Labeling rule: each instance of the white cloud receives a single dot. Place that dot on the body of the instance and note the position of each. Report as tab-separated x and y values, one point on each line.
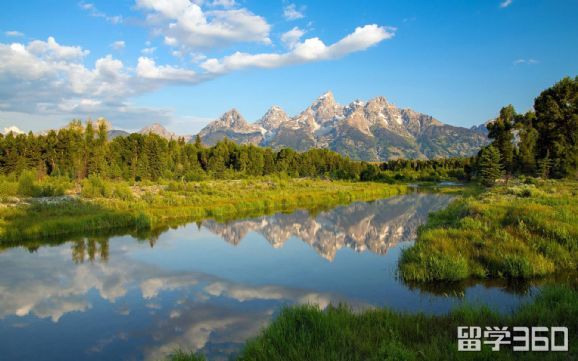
223	3
185	24
312	49
505	3
525	61
147	69
117	45
94	12
291	38
290	12
50	49
50	81
13	33
149	50
45	80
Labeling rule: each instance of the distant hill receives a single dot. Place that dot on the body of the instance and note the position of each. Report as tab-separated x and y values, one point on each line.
151	129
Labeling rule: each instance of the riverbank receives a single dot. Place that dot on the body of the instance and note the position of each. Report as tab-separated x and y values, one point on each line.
337	333
515	231
101	205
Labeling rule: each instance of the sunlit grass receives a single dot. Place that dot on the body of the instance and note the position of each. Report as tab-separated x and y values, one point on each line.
105	205
516	231
339	334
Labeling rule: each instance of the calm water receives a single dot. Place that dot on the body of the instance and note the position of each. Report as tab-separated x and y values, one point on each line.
210	286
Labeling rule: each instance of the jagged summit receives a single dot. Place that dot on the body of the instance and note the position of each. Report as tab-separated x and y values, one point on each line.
273	118
233	119
233	126
368	130
158	129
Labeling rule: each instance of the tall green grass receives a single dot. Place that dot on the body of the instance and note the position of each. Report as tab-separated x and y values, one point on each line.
339	334
106	205
516	231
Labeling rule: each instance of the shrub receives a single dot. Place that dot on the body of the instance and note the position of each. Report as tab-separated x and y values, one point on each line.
27	184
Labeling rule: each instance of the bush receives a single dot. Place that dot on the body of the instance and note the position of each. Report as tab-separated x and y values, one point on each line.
27	184
96	187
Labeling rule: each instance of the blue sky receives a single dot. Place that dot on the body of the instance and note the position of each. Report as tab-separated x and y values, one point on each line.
184	63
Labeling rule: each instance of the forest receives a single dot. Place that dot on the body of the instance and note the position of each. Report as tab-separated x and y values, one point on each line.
541	143
80	151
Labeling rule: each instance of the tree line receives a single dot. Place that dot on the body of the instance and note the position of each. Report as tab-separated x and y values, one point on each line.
542	142
79	151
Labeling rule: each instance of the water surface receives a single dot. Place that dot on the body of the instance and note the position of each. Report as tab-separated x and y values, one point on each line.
209	287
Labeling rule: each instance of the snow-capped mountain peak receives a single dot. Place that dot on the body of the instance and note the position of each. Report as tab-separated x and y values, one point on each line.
12	129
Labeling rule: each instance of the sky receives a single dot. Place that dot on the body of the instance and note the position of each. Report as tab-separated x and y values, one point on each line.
183	63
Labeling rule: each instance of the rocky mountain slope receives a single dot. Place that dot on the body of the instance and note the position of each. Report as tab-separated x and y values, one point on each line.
373	130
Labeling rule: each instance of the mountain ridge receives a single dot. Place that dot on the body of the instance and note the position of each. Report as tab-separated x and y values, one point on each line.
373	130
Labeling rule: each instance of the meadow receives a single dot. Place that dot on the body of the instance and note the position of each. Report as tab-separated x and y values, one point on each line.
97	204
526	229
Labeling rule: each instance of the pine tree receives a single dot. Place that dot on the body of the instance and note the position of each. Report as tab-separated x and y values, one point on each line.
490	165
557	124
527	146
500	130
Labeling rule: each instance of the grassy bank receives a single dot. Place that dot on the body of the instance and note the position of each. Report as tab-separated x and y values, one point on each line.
515	231
307	333
104	205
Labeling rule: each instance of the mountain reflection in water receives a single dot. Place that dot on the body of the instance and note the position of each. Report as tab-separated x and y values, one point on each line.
120	298
374	226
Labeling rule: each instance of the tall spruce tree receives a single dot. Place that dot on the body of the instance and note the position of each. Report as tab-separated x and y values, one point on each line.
500	130
557	124
490	165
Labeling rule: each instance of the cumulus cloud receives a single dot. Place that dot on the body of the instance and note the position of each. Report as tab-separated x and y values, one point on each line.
13	33
184	24
148	69
50	49
290	12
291	38
117	45
50	80
505	3
312	49
44	79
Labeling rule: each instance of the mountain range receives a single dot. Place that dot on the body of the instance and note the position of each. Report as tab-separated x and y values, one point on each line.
375	130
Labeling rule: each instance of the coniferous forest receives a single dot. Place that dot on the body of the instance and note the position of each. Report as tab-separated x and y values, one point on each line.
79	151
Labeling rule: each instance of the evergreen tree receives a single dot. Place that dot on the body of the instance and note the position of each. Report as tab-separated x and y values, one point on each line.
527	146
557	124
500	130
490	165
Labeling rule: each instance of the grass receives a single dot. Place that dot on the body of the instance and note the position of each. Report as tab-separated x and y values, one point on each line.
338	334
516	231
105	205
